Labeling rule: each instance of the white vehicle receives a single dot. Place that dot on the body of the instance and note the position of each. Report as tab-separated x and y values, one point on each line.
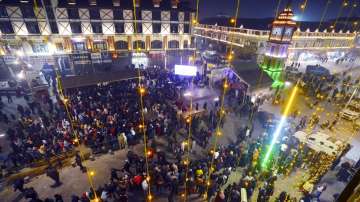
352	112
320	142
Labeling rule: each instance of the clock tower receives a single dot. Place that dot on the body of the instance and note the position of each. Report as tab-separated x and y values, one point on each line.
282	30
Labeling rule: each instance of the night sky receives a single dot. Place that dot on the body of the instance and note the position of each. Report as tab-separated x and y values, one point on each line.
266	8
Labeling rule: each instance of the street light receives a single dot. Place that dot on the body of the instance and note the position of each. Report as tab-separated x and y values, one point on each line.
232	20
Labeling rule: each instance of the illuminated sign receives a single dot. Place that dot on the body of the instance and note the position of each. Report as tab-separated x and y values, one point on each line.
185	70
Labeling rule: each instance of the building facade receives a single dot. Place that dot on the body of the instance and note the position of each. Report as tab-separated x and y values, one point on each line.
87	31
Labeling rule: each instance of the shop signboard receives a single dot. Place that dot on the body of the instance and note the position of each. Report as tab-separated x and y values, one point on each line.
96	58
9	59
81	58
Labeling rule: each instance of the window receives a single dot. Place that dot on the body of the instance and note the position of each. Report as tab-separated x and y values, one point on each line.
54	28
27	12
173	44
156	15
75	27
157	44
100	45
6	28
120	45
156	27
3	13
79	46
119	28
118	14
40	48
73	13
174	16
59	46
139	44
186	44
187	16
96	27
32	27
186	28
94	14
50	13
174	28
138	27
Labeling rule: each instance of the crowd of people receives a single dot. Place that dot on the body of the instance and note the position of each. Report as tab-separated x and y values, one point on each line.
108	117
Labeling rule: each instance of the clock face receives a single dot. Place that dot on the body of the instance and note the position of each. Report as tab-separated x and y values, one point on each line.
276	31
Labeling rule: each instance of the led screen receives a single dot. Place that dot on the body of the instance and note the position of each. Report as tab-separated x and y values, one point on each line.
185	70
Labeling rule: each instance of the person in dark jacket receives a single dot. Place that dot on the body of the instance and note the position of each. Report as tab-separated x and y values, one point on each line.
19	185
78	162
54	175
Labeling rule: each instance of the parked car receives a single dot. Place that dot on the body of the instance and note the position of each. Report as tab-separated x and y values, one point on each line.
351	112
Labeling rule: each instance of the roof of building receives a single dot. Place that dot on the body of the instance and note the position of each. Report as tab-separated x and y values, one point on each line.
93	79
124	4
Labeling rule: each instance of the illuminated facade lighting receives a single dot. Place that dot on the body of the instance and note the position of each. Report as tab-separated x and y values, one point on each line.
72	2
92	2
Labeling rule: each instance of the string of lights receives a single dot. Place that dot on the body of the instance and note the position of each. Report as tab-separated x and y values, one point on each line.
67	102
189	120
302	8
343	5
221	113
187	143
277	9
353	6
142	126
324	14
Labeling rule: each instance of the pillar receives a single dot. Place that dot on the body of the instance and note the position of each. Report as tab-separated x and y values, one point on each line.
67	44
129	42
89	43
111	43
147	43
165	42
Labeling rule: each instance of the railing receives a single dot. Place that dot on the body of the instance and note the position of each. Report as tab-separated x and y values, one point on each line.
235	30
265	33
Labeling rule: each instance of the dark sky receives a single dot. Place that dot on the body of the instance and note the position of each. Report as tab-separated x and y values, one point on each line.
266	8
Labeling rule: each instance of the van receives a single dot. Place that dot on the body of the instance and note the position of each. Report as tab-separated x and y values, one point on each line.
351	112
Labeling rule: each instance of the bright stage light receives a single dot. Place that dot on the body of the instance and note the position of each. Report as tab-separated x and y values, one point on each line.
21	75
280	126
20	53
185	70
187	94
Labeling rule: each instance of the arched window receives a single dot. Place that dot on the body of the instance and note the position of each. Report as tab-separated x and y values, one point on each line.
138	44
173	44
186	44
121	45
156	44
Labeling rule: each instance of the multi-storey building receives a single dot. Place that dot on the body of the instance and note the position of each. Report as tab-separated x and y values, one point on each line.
80	32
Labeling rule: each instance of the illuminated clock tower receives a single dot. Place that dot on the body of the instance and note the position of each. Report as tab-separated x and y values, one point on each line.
276	52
